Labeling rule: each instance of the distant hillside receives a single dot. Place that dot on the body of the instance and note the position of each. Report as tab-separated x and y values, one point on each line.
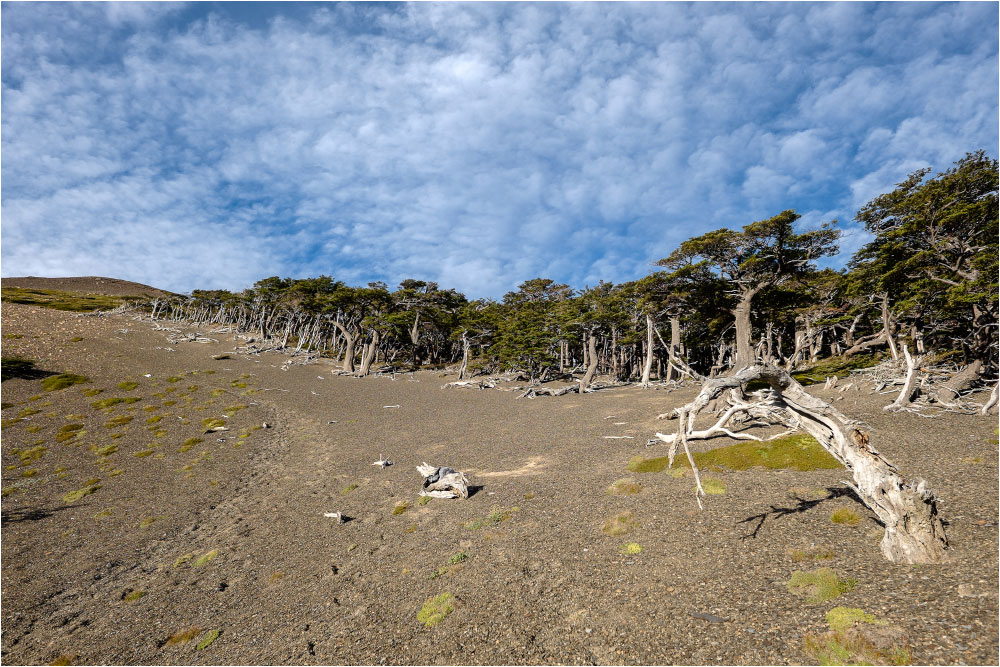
86	285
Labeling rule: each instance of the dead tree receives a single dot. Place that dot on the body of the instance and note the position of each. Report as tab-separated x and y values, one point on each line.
908	509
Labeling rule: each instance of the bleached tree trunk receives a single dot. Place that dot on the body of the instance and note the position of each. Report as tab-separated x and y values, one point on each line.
887	326
369	354
648	366
744	347
349	341
908	509
902	401
592	366
465	356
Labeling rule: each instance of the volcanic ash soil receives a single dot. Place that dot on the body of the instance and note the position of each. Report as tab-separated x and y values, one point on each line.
133	536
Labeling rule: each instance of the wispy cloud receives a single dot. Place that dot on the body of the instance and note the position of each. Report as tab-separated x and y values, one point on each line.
478	145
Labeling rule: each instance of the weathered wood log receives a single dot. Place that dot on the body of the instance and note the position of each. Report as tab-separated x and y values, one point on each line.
908	509
950	390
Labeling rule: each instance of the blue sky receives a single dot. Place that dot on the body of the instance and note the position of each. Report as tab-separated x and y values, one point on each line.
477	145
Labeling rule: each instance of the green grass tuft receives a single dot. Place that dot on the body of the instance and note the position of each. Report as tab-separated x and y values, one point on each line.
347	489
120	420
845	516
819	585
128	386
134	595
400	508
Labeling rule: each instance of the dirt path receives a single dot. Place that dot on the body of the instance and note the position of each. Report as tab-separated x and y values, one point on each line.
535	578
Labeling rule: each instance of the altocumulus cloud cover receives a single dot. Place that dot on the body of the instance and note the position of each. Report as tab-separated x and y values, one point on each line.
477	145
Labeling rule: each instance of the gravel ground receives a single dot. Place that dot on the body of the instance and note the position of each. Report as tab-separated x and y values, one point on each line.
114	577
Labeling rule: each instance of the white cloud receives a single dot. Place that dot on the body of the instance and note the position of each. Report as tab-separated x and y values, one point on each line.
478	145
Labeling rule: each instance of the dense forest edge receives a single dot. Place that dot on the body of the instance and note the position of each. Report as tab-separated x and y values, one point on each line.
720	301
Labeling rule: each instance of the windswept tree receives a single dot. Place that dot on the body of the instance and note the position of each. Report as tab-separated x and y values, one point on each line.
935	257
764	254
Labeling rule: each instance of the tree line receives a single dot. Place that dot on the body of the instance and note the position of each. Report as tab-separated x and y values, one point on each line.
717	303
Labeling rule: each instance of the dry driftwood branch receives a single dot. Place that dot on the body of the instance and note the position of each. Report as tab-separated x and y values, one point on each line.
443	482
908	509
992	401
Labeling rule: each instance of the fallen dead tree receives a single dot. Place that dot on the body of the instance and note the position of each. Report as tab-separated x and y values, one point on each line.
908	509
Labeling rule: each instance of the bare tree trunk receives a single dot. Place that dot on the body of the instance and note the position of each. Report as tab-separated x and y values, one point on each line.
648	367
908	509
887	326
744	348
369	354
959	382
465	355
902	401
592	367
349	341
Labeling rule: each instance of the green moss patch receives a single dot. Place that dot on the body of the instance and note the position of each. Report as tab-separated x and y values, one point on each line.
61	381
188	444
819	585
143	453
400	508
713	486
207	640
128	386
436	609
107	450
631	549
133	596
30	455
17	367
60	300
794	452
620	524
184	636
625	487
347	489
838	366
206	558
121	420
210	422
233	409
154	420
107	402
74	496
92	392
